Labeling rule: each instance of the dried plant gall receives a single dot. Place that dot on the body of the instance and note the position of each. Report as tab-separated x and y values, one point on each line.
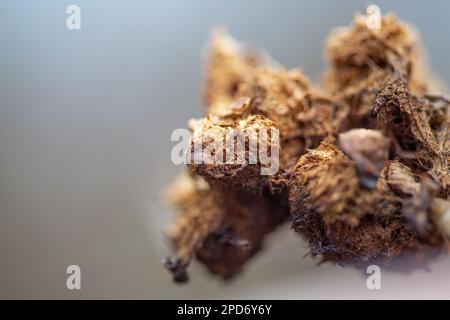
356	52
363	160
363	59
221	228
282	99
287	98
229	64
326	181
236	152
406	118
349	224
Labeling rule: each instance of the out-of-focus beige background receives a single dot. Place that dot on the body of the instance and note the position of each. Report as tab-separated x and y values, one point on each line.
85	124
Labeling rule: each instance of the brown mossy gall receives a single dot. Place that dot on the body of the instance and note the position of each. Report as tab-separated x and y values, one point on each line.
221	228
363	162
349	223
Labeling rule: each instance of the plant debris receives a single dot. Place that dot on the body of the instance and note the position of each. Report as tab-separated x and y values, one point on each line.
364	158
221	228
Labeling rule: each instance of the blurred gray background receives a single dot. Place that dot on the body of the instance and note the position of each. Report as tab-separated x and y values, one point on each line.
85	123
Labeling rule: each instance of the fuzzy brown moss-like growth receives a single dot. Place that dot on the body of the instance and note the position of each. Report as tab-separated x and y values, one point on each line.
270	98
224	169
363	59
221	228
298	110
364	160
229	63
357	52
407	119
348	223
